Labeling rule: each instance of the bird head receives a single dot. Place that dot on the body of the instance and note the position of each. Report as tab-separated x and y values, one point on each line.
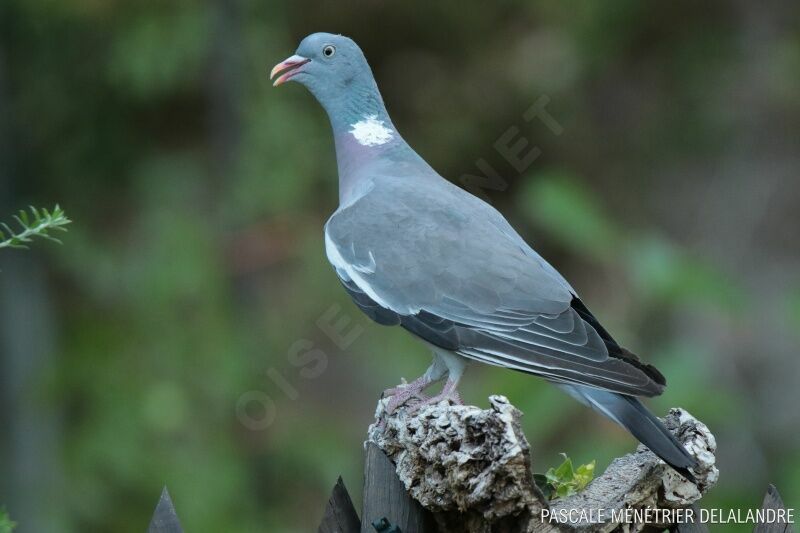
336	72
326	64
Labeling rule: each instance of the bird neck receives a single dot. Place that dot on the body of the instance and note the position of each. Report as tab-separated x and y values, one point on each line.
364	135
347	102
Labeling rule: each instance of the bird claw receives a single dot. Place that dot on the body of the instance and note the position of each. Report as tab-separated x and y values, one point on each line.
454	398
404	392
417	385
401	398
449	393
393	390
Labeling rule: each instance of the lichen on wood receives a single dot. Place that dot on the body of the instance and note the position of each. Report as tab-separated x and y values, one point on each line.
471	468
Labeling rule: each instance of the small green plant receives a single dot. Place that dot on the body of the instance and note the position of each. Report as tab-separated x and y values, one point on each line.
564	480
6	525
37	223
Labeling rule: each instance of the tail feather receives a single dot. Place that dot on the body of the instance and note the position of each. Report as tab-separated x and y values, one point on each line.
631	414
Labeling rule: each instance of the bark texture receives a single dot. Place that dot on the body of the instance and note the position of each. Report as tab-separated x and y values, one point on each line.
472	469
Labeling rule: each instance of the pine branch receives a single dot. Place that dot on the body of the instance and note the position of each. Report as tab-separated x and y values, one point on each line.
38	223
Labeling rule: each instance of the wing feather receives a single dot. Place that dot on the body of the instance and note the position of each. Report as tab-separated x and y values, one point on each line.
469	284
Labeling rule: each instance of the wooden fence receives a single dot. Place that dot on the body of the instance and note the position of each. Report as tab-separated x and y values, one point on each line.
388	508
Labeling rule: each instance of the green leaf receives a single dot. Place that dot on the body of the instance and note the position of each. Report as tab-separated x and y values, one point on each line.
583	475
40	223
565	472
565	480
544	485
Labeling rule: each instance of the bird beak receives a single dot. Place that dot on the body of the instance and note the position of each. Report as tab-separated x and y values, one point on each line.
287	68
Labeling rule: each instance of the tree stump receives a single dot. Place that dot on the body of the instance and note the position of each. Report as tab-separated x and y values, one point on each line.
471	468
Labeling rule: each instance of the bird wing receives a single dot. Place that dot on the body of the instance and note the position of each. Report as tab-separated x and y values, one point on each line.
448	267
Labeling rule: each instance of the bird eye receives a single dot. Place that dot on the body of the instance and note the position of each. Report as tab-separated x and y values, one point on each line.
329	50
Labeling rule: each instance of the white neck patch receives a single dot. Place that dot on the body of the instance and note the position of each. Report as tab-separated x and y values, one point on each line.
371	132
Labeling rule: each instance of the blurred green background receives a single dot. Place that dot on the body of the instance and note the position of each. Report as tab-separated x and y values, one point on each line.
159	344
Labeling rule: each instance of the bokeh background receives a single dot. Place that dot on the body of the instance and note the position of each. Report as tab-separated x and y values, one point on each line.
159	344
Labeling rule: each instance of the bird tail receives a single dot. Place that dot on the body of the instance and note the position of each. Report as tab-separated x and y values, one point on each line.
631	414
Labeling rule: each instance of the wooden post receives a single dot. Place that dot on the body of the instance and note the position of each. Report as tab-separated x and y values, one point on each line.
385	496
772	500
340	515
165	519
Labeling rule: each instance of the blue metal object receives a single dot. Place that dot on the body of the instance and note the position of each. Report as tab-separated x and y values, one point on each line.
382	525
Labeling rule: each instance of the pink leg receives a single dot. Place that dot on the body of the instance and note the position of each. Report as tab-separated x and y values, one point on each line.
418	384
449	393
444	364
402	393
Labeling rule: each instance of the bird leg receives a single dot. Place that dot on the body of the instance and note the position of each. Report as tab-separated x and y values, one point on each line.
418	385
445	363
404	392
449	393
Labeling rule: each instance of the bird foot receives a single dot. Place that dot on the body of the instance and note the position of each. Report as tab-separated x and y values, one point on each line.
401	397
402	393
449	393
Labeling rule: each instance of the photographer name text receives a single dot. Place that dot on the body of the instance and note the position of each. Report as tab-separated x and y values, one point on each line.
653	515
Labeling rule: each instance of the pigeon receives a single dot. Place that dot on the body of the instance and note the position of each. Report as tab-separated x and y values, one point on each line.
416	251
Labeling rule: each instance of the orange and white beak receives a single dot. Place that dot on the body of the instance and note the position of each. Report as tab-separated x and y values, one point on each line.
287	68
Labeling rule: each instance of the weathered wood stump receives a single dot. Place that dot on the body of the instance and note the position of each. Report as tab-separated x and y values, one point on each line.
471	468
461	469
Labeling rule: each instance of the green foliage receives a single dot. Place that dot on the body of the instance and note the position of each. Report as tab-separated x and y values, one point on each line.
571	214
663	271
159	51
566	208
202	191
40	223
565	480
6	525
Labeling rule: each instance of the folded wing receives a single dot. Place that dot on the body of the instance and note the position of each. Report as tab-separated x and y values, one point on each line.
452	272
